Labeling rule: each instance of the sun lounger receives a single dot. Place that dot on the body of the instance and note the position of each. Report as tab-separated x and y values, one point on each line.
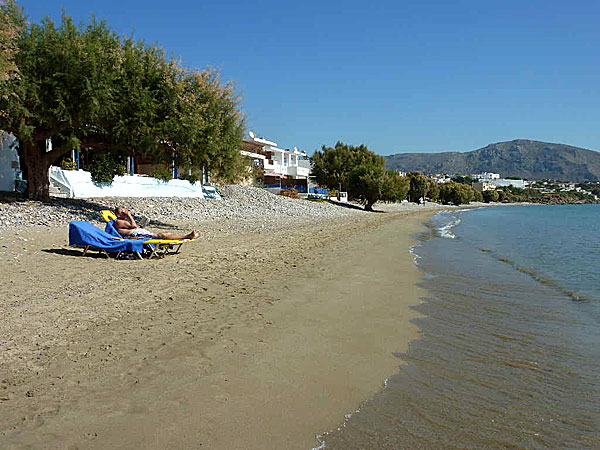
155	247
88	236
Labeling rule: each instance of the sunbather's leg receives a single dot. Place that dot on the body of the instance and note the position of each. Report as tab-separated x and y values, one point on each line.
166	235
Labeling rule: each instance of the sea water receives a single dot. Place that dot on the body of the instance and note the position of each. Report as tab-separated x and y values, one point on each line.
509	353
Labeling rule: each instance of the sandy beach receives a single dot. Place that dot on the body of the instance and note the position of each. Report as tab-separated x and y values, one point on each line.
251	340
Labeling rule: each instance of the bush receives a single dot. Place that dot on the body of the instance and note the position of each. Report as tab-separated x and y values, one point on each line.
291	193
162	174
192	177
258	173
491	196
67	164
105	168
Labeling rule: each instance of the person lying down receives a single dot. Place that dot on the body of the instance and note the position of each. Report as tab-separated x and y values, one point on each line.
127	227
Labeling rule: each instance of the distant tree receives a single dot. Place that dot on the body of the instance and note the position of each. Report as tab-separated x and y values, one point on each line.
419	185
12	22
331	165
207	128
477	196
463	179
370	183
502	197
396	187
490	196
433	190
456	193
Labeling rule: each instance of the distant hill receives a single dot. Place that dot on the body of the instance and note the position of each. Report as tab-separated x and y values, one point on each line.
533	160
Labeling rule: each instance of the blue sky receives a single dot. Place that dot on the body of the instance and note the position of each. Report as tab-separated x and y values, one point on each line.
398	76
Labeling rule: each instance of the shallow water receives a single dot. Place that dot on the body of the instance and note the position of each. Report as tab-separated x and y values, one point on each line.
510	345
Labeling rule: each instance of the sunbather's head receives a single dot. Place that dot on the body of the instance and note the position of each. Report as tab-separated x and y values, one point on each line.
120	212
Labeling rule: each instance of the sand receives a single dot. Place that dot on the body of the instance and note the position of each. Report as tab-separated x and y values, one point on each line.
251	341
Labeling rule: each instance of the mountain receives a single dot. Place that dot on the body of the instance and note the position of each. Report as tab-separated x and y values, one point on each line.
523	158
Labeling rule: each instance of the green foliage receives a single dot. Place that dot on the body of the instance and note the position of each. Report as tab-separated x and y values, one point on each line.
491	196
162	174
419	185
104	169
464	179
456	193
67	164
191	177
433	190
84	86
509	194
370	183
331	166
12	20
258	173
395	187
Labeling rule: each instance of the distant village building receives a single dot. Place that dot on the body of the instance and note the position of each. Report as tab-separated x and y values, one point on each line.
440	178
483	186
502	182
282	167
486	176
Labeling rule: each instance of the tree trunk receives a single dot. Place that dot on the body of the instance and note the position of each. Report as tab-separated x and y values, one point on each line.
369	206
37	164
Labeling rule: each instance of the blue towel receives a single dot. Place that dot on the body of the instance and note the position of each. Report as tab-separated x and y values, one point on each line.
84	233
110	228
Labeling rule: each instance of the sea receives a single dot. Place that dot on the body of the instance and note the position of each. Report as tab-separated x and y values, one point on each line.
509	347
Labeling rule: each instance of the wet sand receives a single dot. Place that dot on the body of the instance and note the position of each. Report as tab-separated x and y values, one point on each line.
253	341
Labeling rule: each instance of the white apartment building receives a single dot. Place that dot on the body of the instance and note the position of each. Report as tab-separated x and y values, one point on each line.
284	166
486	176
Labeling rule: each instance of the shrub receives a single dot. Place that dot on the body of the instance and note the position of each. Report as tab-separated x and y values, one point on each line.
292	193
491	196
67	164
162	174
105	168
192	177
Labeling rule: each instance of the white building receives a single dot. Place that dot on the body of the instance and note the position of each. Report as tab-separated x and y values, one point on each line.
505	182
482	186
486	176
281	166
441	178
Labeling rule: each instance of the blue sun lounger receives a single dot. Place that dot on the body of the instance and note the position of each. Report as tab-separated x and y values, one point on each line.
155	247
88	236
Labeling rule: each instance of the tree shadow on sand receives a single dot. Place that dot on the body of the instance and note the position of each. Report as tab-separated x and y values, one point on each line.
73	252
354	206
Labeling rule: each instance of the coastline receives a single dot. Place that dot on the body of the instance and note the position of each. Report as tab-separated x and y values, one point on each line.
232	344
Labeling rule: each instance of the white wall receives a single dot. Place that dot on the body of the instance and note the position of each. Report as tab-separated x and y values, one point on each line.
79	184
8	158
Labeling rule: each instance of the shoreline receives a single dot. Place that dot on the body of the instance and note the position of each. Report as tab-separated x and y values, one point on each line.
249	338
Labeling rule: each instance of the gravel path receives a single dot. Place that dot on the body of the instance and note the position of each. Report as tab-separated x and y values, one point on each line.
238	202
242	209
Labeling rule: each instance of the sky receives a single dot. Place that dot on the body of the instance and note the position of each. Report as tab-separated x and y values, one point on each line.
418	76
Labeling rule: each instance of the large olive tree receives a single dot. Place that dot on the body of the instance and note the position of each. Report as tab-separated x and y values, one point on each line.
81	86
331	165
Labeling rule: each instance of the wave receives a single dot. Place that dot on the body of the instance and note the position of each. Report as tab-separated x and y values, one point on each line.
445	231
538	277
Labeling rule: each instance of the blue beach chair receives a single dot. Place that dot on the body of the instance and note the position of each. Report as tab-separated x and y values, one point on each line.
156	248
87	236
